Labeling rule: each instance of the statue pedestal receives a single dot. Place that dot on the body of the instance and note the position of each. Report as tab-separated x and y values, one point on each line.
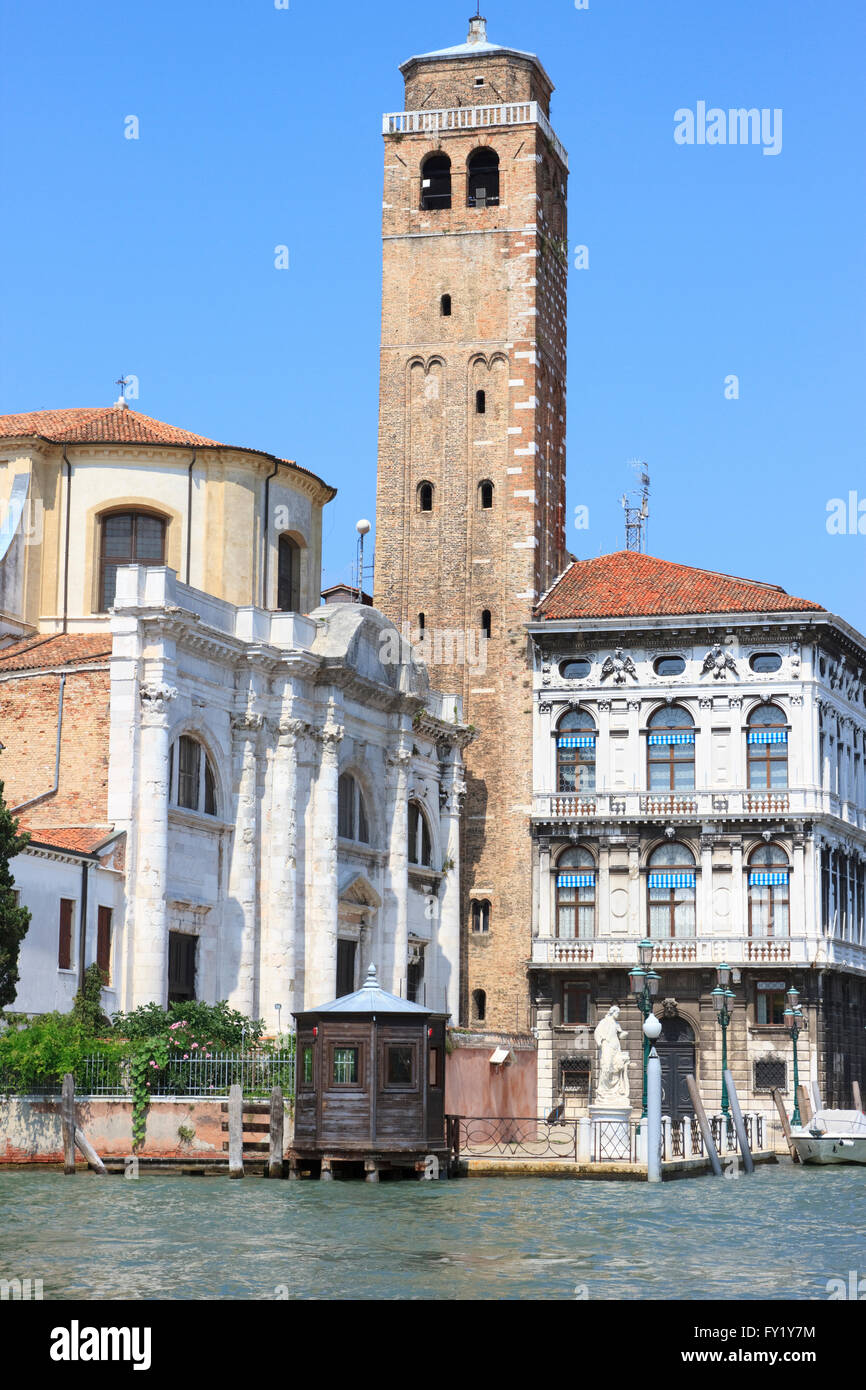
611	1136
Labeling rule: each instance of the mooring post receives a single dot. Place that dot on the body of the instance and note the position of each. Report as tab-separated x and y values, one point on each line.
805	1104
584	1139
739	1125
654	1117
858	1100
89	1152
67	1121
236	1133
275	1162
704	1124
786	1124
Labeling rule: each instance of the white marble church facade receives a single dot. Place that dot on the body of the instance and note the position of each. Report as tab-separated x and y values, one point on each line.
269	771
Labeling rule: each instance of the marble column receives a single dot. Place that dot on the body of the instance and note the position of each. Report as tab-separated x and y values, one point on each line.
148	890
241	919
394	945
320	950
452	791
280	929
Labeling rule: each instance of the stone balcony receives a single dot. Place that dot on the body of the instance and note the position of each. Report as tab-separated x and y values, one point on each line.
701	951
456	118
698	806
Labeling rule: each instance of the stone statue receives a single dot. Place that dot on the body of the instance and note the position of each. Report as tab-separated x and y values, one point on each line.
611	1085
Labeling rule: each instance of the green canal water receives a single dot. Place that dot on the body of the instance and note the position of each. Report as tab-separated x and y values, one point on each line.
780	1234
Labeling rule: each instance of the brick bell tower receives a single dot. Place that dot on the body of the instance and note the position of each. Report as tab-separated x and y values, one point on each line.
470	516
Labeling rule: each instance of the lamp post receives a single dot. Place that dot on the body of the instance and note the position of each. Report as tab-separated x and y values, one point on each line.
796	1022
723	1002
644	985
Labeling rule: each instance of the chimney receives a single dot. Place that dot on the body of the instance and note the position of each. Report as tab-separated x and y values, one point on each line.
477	30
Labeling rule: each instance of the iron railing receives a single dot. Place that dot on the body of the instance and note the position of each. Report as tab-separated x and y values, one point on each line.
523	1137
199	1077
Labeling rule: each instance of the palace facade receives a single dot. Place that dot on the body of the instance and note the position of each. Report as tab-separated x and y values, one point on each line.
699	754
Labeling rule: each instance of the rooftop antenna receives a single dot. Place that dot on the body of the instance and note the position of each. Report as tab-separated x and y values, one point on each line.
362	527
635	504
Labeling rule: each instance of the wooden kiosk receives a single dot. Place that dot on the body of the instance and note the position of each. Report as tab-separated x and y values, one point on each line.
370	1085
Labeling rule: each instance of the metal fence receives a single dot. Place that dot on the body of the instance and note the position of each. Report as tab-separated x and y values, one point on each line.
200	1077
596	1141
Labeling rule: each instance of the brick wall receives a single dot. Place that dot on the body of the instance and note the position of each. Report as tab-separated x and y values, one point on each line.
28	729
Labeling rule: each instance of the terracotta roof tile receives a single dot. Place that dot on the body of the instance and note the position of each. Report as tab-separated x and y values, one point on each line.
81	839
119	425
70	649
110	425
626	584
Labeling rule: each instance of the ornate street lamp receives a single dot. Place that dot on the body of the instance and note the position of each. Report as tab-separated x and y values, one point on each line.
644	983
723	1002
796	1022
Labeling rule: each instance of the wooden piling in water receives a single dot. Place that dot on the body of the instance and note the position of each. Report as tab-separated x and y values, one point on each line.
739	1126
703	1122
236	1133
278	1113
805	1104
89	1152
67	1121
786	1124
858	1099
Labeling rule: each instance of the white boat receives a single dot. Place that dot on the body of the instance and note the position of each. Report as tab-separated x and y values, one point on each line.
832	1136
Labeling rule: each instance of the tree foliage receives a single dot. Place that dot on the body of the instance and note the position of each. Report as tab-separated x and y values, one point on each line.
14	920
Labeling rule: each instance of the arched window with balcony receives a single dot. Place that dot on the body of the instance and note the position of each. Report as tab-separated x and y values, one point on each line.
420	842
769	892
672	892
482	183
436	182
575	737
191	781
127	538
352	821
767	746
671	750
575	894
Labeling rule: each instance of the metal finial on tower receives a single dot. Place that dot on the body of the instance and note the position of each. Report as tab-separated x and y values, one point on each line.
635	504
122	382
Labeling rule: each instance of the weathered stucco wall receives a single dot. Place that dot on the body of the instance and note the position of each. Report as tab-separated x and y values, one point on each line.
475	1086
30	1130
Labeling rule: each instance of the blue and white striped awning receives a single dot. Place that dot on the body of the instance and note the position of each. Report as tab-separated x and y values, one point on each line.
575	880
671	738
768	736
672	880
769	879
576	741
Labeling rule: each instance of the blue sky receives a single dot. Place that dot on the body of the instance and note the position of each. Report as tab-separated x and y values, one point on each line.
261	126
